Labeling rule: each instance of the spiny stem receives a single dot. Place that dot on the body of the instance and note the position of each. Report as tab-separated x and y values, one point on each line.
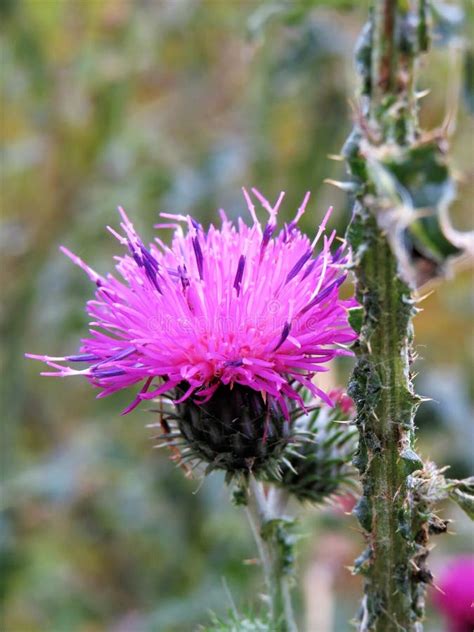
382	389
381	384
274	544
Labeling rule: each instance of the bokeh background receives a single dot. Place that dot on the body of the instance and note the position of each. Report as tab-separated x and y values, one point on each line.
172	106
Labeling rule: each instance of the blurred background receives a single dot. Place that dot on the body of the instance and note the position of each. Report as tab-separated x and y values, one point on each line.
172	106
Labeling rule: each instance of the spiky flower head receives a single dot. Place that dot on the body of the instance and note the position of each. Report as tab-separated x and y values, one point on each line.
239	311
317	466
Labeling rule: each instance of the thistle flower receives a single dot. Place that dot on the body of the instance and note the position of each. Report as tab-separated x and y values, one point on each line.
455	598
229	323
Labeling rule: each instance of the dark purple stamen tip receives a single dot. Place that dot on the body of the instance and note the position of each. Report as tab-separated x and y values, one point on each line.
195	223
144	259
324	293
298	265
309	269
183	276
234	363
289	229
124	353
83	357
137	259
284	335
107	293
151	275
102	373
267	234
121	355
239	274
148	258
338	254
136	256
199	257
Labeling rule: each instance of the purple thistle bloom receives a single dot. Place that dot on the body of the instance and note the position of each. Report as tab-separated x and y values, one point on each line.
240	305
455	598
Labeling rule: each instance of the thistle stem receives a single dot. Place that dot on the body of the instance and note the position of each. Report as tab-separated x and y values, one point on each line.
386	405
274	543
381	384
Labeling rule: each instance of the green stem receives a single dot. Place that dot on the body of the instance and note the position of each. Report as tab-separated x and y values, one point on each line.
386	404
275	549
381	384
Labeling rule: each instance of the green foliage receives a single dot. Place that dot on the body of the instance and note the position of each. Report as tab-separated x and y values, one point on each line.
420	181
462	492
356	318
414	186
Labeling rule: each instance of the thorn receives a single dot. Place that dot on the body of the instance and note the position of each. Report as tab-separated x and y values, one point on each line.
422	93
198	488
343	186
424	297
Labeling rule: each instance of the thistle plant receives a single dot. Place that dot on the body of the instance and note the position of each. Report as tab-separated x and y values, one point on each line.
230	326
